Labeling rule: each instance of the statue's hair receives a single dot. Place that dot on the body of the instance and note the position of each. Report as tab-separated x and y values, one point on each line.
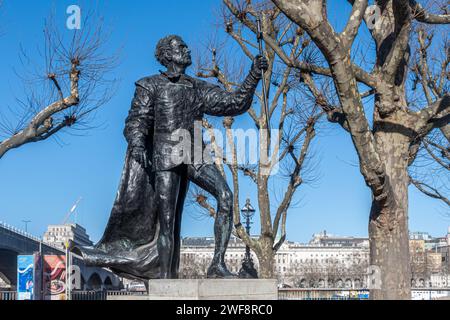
163	46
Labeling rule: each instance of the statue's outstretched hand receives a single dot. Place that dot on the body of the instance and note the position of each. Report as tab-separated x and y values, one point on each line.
140	155
260	65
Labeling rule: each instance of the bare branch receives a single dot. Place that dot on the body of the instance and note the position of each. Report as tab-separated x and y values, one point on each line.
446	131
249	172
421	15
360	74
218	152
436	115
238	38
295	180
353	24
334	114
444	152
202	201
430	191
232	164
396	55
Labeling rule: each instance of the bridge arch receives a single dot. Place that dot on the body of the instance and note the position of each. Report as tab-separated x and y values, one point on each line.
348	283
95	282
8	266
321	283
5	283
107	284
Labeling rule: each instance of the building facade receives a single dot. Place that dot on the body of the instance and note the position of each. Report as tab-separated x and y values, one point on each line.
327	261
58	235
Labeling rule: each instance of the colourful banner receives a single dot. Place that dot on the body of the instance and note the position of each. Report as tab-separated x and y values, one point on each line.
25	277
54	277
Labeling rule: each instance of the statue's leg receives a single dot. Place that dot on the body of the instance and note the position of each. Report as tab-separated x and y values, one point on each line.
167	185
211	180
184	186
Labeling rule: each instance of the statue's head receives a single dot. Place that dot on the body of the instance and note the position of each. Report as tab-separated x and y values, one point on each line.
173	49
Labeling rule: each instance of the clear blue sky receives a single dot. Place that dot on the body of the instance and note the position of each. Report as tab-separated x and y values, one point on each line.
41	181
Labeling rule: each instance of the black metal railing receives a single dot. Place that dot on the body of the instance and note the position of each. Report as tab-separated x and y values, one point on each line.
102	295
89	295
323	294
8	295
126	293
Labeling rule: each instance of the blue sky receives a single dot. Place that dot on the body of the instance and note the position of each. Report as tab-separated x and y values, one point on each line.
40	182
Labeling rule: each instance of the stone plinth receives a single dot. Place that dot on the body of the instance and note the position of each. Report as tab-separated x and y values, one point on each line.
213	289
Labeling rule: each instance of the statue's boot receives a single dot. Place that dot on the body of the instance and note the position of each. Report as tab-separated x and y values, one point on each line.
220	271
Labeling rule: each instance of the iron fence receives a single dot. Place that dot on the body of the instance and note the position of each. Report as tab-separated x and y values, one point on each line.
89	295
8	295
323	294
126	293
102	295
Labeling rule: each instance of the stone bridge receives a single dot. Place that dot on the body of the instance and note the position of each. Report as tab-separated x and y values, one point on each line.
14	242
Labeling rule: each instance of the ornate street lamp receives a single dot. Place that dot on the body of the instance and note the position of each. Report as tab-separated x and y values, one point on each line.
248	269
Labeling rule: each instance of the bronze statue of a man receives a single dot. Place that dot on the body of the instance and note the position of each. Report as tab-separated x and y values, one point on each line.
142	239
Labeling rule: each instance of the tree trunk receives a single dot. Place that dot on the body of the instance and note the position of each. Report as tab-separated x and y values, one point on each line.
388	225
266	266
266	258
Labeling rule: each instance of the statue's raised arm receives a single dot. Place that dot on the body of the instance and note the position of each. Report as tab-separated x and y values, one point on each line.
218	102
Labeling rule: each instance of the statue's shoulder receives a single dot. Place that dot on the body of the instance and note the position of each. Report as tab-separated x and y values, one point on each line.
149	82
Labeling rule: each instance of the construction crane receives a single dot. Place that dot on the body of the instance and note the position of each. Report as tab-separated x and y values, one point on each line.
71	211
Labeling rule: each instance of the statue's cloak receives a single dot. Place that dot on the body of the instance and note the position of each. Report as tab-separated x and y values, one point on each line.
129	244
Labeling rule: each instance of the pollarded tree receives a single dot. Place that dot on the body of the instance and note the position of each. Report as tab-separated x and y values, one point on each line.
296	121
67	85
388	146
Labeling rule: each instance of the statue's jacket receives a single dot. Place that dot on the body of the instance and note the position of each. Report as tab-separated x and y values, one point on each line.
162	105
164	109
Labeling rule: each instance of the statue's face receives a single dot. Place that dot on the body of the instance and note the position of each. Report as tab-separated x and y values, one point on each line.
180	53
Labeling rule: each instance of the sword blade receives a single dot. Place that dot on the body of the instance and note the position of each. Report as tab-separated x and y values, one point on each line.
263	79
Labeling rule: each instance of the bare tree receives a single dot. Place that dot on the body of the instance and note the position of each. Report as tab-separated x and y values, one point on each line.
66	91
388	147
307	274
418	262
296	121
193	267
357	266
330	272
